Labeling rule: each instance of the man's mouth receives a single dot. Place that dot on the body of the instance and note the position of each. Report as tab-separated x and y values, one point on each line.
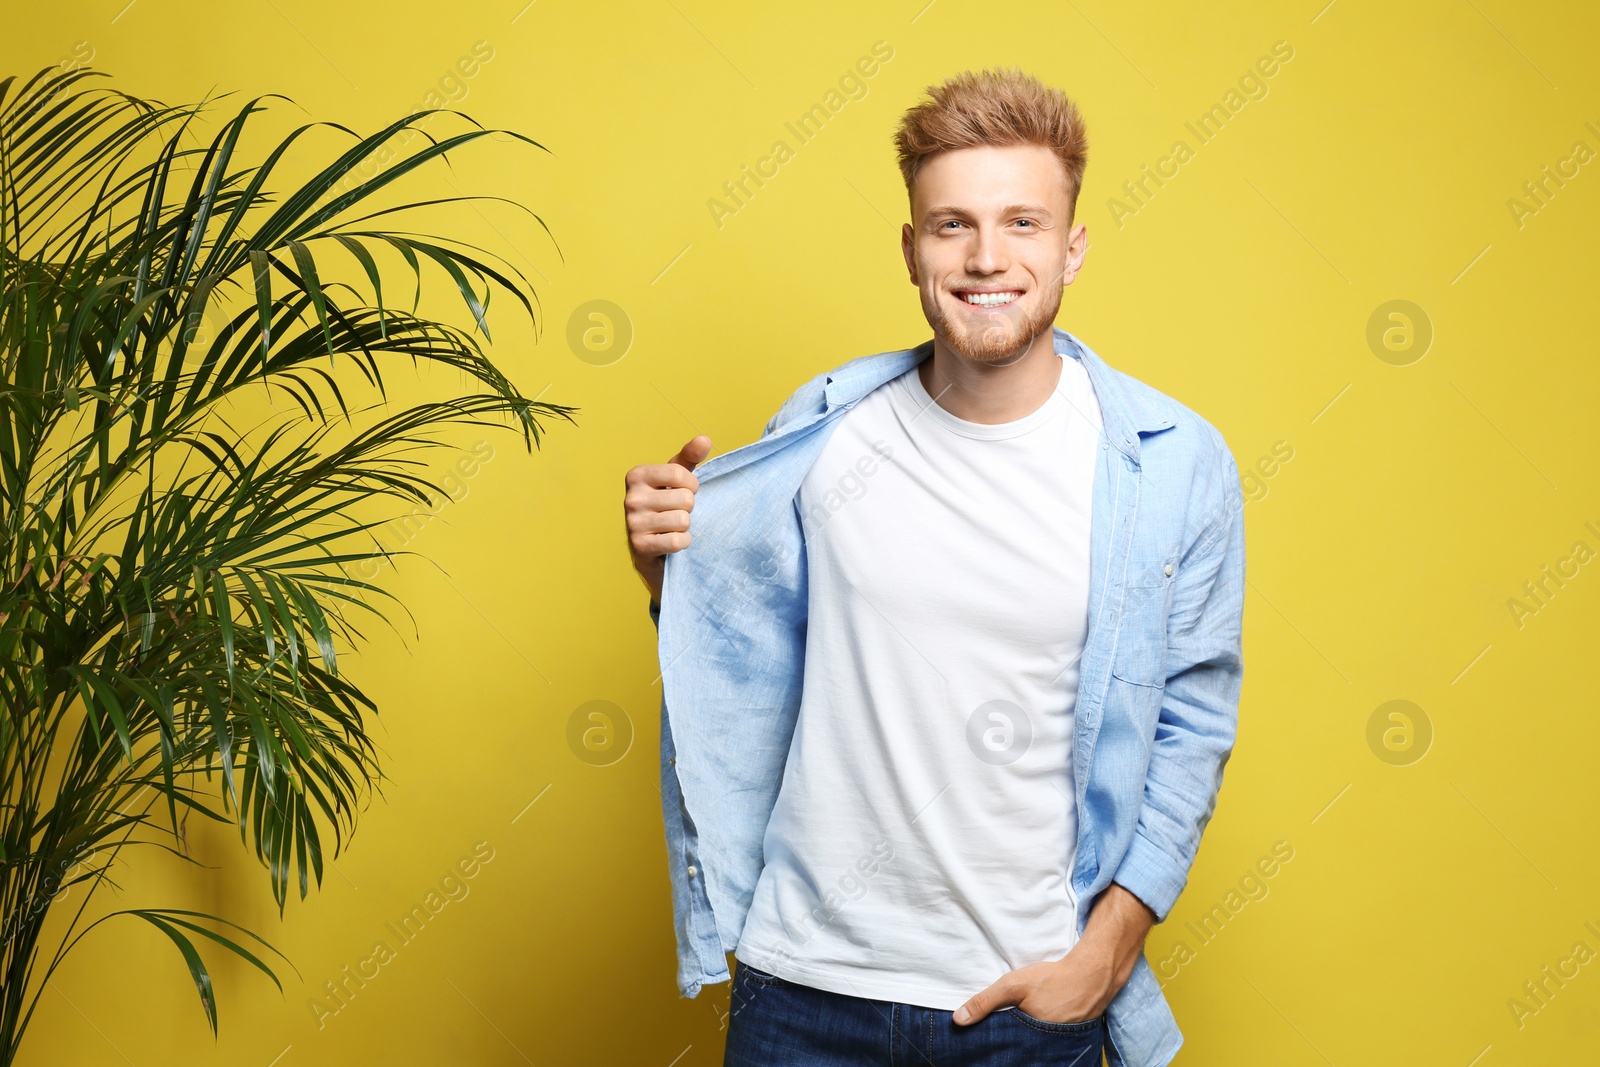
992	298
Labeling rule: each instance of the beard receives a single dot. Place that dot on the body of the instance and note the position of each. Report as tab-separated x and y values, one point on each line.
996	337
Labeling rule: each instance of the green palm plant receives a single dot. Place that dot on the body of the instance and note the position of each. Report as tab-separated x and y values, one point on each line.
173	592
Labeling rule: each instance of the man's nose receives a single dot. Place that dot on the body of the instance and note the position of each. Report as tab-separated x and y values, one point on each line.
988	253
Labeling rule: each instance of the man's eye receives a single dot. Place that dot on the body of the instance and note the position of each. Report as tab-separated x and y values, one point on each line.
951	222
1025	222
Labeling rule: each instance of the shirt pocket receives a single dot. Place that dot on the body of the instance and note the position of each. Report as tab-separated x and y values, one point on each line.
1141	653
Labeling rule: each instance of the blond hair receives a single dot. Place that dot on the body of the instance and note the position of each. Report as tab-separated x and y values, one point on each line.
998	107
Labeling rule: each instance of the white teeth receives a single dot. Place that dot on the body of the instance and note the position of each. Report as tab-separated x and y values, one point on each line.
988	300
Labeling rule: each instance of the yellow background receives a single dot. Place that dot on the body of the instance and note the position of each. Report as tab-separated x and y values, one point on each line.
1419	499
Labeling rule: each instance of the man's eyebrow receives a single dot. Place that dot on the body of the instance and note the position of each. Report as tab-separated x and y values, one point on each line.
952	211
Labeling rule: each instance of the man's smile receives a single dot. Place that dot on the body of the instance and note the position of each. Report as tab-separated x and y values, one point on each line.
988	298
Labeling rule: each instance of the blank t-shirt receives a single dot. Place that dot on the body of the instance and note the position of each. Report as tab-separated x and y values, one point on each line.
922	839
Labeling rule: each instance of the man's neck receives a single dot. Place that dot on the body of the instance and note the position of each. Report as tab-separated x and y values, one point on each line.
992	393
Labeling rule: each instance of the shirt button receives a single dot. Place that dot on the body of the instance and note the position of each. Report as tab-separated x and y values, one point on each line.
1169	570
672	761
692	870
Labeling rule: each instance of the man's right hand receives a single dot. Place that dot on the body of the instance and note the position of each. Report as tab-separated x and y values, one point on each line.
657	498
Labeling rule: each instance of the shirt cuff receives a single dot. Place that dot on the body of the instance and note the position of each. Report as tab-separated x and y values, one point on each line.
1152	876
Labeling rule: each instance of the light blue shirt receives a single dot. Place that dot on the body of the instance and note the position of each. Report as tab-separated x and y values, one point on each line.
1158	689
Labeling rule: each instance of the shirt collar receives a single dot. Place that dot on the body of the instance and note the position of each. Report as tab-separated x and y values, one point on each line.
1125	414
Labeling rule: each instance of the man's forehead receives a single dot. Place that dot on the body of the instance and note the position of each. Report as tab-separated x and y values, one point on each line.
988	204
967	180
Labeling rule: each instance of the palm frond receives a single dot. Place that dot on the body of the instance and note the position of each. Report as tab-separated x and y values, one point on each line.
175	591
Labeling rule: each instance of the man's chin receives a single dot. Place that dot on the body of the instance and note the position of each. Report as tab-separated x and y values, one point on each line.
987	344
998	338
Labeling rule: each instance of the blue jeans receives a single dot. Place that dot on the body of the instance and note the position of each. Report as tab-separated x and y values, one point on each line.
774	1022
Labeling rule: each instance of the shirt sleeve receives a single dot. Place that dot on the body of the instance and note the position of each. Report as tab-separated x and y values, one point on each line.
1199	707
772	425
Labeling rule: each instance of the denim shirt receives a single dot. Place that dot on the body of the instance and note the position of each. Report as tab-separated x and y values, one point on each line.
1159	679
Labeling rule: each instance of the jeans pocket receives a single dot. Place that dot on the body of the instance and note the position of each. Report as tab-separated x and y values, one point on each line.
1082	1027
756	976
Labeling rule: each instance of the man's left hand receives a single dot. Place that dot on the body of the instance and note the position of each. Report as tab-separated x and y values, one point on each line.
1081	984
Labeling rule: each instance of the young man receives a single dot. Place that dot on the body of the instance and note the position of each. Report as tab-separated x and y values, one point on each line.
951	671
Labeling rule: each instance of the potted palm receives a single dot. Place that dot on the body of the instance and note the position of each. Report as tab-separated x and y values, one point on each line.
174	592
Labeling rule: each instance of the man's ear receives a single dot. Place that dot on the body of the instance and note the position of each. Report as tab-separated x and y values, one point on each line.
1077	248
908	250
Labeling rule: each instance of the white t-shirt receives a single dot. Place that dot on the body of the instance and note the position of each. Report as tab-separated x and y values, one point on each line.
922	839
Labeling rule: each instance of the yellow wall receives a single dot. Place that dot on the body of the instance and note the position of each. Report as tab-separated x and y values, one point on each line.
1382	555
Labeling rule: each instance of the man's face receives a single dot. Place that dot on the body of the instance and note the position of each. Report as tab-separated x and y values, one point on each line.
991	246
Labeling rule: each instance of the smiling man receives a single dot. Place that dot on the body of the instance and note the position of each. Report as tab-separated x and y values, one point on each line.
951	671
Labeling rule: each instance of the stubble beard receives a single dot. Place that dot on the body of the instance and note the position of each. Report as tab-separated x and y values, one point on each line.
991	339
